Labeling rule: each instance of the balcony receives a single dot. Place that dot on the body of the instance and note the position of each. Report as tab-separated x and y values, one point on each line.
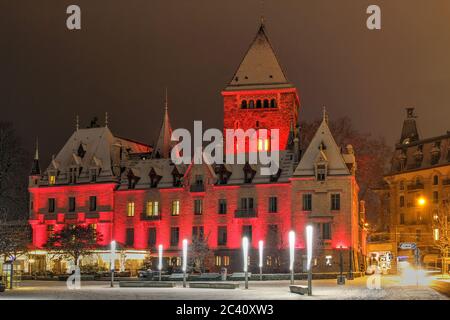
92	215
146	217
50	216
323	244
197	188
246	213
416	186
70	216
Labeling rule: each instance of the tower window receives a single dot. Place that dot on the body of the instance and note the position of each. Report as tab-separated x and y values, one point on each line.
258	104
273	103
244	104
266	103
92	203
251	104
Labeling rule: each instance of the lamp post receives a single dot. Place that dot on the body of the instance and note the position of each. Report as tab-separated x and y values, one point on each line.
185	245
113	261
245	253
341	279
309	249
261	249
291	254
160	256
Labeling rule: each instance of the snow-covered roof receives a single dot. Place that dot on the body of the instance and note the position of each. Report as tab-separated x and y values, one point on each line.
259	68
92	148
323	148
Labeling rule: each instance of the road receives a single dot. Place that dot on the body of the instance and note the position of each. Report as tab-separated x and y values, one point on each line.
392	288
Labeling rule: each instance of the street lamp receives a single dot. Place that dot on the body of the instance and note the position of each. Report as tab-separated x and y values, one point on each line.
112	262
291	254
309	249
160	256
185	245
261	248
245	252
421	201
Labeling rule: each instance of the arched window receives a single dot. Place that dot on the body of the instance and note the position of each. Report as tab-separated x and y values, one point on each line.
258	104
252	104
435	180
266	103
244	104
273	103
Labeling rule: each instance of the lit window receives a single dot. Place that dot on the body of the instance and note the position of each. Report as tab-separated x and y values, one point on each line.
152	208
436	234
263	144
328	262
218	261
51	180
226	261
176	207
130	209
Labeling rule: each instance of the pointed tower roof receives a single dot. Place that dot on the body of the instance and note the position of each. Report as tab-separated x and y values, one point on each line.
259	68
35	168
409	131
323	148
164	144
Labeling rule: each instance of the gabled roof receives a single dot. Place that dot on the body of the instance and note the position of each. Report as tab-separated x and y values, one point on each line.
259	68
323	147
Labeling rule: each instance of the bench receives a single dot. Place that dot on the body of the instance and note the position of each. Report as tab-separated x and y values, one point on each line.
240	276
209	276
146	284
214	285
299	289
177	276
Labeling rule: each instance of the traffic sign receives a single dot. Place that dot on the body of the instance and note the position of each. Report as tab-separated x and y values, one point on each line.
408	246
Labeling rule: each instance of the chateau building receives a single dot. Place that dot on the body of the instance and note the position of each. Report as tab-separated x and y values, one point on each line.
134	194
416	193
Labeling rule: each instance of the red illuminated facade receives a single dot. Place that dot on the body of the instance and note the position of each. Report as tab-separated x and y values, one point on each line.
134	194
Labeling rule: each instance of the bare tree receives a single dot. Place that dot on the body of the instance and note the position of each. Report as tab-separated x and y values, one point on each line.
14	169
441	233
200	252
372	157
73	242
14	239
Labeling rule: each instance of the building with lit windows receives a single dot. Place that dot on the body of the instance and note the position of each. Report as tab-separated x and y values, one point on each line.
416	193
134	194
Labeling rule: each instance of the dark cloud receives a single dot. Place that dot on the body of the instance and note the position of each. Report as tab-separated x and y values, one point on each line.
128	51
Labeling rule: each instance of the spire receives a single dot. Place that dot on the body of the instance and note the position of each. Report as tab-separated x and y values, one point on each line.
164	144
259	68
409	130
35	168
325	114
106	119
77	123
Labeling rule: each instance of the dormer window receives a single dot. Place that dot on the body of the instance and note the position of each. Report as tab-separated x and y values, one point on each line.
222	173
321	172
73	175
418	155
81	151
154	178
132	179
249	173
51	179
176	177
93	174
436	153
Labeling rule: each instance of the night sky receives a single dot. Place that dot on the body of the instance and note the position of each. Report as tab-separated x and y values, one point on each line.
128	51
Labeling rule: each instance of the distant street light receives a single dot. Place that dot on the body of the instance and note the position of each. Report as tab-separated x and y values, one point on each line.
261	248
309	250
113	261
291	254
160	256
185	247
421	201
245	253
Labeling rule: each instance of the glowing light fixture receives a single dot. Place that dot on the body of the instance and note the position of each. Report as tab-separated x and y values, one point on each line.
184	267
291	254
261	249
309	251
245	253
421	201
